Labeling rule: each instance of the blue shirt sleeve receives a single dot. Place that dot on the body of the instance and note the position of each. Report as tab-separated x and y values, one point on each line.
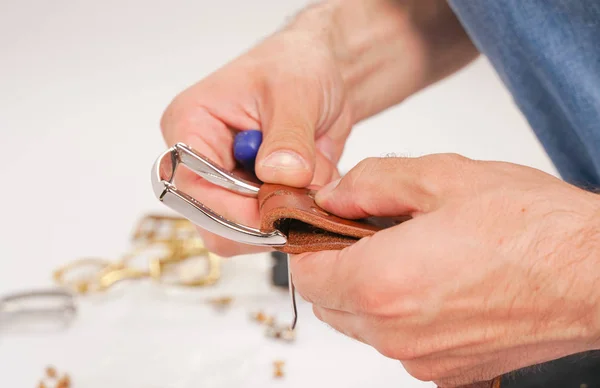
547	53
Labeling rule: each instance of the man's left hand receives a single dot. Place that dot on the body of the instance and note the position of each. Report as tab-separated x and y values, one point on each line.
496	270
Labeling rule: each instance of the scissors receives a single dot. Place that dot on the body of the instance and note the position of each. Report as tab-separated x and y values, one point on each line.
245	148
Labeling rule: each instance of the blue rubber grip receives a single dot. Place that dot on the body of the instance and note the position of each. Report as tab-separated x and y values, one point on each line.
245	147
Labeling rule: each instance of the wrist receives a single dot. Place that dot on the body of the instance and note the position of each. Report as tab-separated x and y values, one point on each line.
365	40
387	50
581	263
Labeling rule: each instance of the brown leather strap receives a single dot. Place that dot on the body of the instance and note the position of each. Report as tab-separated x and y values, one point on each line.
309	228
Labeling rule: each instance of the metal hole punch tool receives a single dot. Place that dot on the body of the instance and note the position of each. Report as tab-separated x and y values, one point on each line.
163	176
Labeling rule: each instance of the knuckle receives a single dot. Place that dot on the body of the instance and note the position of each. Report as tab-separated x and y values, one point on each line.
302	269
367	164
370	299
173	113
441	173
317	313
370	170
442	369
316	59
181	117
421	370
395	350
389	350
443	161
166	118
288	135
362	172
452	158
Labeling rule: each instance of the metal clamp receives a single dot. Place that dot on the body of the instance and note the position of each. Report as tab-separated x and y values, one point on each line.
163	175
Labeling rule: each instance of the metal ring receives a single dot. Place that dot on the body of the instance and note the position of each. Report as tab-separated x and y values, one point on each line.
178	228
190	249
89	283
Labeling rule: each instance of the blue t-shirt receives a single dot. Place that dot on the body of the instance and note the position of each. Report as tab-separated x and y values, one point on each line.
547	52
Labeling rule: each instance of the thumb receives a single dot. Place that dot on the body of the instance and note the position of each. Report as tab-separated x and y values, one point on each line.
389	187
287	154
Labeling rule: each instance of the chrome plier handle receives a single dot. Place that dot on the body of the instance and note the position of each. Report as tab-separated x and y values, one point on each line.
163	175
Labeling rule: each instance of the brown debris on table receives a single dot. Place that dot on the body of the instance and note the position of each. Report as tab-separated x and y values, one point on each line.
278	368
51	372
64	382
52	375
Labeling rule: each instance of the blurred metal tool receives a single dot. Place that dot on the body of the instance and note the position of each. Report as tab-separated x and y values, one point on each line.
292	296
185	265
160	228
37	307
89	279
163	177
163	243
182	247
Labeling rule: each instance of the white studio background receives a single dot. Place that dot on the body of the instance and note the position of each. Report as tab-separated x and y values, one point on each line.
82	87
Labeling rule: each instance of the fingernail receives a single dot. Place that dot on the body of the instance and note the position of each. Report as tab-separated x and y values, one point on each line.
326	190
285	160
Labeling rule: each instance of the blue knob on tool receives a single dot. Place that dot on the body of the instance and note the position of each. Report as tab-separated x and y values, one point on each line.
245	147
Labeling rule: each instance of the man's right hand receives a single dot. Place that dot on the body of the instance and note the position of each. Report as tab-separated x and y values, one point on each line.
304	87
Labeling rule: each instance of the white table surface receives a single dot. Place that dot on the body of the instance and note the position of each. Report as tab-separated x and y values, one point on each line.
82	87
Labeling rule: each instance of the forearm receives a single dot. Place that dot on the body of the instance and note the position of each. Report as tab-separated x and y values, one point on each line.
388	50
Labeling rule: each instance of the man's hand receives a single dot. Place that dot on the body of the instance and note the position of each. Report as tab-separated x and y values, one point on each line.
496	270
335	64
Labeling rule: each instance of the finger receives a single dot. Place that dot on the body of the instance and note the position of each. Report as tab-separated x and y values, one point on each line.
325	171
392	186
330	279
238	209
188	118
364	279
208	132
227	248
343	322
327	147
291	113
